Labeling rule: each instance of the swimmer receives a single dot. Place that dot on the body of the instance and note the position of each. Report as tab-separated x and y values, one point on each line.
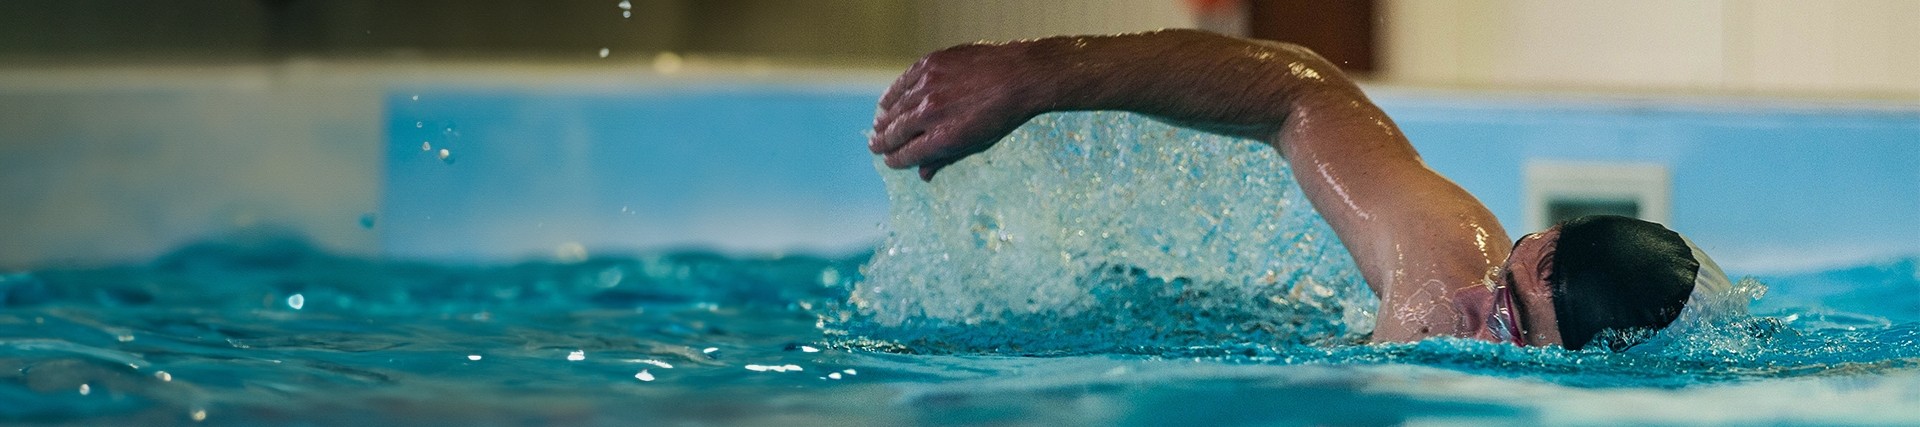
1435	256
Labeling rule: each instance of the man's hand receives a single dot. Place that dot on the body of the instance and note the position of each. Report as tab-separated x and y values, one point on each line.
957	102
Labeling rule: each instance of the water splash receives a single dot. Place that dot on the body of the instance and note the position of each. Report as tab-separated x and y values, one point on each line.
1090	232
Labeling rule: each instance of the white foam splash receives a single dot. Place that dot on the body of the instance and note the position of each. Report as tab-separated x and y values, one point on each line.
1120	224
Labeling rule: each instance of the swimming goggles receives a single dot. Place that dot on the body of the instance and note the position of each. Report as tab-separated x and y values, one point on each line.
1503	320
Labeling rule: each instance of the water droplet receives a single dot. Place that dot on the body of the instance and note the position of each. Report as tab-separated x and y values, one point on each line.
416	97
809	349
446	156
709	350
297	301
419	125
835	375
473	357
643	375
426	145
86	389
625	5
605	51
199	415
626	14
163	376
577	355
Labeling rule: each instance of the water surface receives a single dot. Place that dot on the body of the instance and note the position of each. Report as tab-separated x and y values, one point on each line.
1190	285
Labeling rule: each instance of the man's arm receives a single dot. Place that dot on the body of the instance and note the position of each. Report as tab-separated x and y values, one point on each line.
1416	236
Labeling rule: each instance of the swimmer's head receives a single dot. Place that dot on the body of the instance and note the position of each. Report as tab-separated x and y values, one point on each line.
1600	273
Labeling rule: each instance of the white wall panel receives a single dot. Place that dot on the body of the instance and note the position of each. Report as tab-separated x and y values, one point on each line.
1844	48
1441	42
1652	43
1851	47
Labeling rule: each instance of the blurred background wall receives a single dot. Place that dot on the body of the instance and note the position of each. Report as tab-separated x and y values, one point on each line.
127	128
1840	48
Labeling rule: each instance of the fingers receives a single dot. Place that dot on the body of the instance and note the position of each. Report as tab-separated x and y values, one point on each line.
930	167
929	148
924	119
896	125
909	155
927	171
907	79
907	87
923	149
899	131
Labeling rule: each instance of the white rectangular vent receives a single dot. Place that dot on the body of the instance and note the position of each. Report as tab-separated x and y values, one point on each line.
1558	191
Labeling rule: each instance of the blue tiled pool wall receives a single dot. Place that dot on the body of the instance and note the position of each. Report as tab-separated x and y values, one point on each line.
748	168
772	167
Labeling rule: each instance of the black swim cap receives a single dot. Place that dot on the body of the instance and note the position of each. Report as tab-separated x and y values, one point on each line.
1618	273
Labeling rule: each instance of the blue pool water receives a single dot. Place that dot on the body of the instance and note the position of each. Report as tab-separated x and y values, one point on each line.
1027	287
267	330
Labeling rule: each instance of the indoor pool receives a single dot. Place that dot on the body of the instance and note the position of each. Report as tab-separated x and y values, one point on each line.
1094	269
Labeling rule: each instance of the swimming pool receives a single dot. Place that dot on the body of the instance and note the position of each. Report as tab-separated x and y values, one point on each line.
505	297
266	329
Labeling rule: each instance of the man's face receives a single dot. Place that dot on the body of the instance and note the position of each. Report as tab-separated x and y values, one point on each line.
1525	273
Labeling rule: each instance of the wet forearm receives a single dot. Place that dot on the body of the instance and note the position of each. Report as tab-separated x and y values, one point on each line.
1220	84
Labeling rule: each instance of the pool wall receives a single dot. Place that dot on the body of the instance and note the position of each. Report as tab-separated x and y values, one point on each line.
107	164
1766	186
760	167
